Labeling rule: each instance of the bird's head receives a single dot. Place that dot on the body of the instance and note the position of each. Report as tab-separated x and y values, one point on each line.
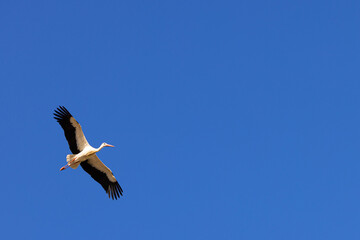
106	145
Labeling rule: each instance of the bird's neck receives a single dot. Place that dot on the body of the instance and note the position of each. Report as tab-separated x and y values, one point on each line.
99	148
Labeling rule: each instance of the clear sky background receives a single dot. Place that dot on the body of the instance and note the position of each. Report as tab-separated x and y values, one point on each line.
231	119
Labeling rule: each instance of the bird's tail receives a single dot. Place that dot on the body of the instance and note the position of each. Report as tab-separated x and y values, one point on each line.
70	157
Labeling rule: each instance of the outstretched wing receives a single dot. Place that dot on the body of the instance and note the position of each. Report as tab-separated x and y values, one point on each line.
72	129
103	175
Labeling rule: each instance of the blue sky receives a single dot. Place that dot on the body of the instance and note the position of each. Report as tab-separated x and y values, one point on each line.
231	119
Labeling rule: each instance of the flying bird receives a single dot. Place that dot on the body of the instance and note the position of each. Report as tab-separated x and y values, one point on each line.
85	155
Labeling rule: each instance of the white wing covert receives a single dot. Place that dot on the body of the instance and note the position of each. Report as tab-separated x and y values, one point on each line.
103	175
72	129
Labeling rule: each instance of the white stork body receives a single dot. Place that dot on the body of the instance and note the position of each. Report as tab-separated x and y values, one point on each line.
85	155
75	159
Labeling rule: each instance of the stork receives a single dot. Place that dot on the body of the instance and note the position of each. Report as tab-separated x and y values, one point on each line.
85	155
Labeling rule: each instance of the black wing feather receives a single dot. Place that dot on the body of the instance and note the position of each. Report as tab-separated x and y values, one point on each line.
113	189
62	115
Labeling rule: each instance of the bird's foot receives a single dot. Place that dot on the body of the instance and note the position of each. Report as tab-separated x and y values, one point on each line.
65	167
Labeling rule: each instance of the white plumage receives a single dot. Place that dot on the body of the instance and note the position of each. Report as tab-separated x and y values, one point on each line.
85	155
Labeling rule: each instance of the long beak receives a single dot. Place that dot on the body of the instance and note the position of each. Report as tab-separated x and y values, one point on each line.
108	145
